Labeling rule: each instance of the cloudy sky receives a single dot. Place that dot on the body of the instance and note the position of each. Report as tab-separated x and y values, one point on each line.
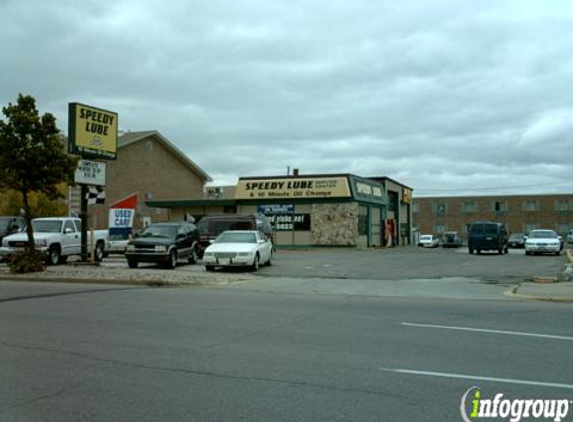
448	97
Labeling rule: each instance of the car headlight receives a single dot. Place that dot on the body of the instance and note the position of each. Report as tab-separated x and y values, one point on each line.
41	242
208	254
160	248
130	248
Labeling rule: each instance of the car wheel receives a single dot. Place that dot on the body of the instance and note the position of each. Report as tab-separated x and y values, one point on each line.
54	255
479	251
255	265
500	251
172	262
558	253
270	261
209	268
471	251
131	263
99	252
193	257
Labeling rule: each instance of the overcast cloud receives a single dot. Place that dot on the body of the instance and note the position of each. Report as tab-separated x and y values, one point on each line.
448	97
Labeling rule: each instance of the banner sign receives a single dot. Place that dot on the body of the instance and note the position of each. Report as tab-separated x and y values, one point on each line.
275	209
289	222
296	187
90	173
121	216
407	196
369	191
92	132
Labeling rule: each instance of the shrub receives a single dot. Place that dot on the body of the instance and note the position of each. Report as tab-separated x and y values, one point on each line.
27	262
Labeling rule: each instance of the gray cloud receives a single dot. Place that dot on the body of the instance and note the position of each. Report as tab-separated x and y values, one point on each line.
448	97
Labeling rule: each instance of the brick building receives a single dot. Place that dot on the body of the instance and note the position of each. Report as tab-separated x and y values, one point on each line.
521	213
152	167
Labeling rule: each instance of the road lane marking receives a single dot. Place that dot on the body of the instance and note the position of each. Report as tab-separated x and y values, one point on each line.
479	378
485	330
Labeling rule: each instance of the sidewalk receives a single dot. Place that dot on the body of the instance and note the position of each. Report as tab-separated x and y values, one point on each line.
552	292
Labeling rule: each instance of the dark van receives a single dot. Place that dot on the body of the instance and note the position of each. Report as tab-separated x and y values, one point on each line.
487	236
213	225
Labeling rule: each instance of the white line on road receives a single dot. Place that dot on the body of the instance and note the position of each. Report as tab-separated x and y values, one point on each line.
485	330
478	378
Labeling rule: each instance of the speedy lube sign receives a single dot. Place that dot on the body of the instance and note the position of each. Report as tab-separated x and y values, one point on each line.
92	132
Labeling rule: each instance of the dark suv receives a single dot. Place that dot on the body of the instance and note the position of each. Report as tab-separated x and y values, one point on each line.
487	236
164	243
213	225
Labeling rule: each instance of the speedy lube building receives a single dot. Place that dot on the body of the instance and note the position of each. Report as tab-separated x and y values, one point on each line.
310	210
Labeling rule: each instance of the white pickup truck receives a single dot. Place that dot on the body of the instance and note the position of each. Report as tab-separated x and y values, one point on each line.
58	238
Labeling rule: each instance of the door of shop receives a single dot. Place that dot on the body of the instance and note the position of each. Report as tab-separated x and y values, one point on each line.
375	227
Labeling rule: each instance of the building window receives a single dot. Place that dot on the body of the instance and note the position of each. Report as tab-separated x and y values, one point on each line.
148	196
563	205
439	229
149	145
469	206
439	208
530	226
500	206
530	206
416	207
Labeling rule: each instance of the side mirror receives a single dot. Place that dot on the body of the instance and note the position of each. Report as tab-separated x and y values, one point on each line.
68	230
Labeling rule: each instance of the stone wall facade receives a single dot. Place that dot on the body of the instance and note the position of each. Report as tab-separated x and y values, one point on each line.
334	224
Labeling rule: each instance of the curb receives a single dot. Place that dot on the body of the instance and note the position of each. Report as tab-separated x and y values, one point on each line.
148	283
513	293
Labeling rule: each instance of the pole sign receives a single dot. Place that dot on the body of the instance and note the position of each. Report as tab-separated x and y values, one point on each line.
121	216
92	132
90	173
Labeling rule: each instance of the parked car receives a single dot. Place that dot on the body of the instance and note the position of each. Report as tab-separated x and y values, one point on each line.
487	236
164	243
543	241
451	240
516	240
429	241
243	248
58	238
10	225
213	225
570	236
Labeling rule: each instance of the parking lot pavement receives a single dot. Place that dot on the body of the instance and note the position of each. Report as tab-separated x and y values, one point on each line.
407	263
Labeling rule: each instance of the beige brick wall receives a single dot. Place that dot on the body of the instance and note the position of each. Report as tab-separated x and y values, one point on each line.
153	172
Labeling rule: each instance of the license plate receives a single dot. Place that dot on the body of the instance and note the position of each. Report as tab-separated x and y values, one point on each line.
224	261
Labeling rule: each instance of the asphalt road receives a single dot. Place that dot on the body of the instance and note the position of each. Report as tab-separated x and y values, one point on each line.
99	353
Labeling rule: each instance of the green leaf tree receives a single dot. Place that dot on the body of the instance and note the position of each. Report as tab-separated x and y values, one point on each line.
32	156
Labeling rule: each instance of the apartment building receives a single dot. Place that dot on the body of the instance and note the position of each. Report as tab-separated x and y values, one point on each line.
521	213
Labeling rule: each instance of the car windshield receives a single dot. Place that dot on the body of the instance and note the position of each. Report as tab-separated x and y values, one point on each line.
426	237
230	237
516	236
4	222
160	230
47	226
543	234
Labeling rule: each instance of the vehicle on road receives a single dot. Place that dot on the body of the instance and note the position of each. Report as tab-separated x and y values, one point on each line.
543	241
516	240
487	236
58	238
239	248
213	225
429	241
451	240
164	243
10	225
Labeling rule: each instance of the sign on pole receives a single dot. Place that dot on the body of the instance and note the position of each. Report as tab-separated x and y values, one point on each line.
92	132
90	173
